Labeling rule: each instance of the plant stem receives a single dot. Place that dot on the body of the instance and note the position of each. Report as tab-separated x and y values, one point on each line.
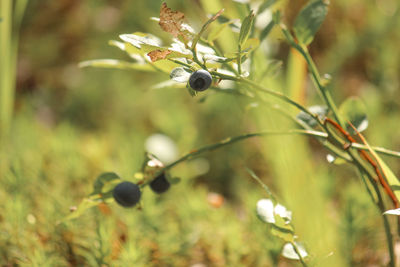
296	249
11	13
314	73
381	207
268	91
239	60
380	150
6	89
231	140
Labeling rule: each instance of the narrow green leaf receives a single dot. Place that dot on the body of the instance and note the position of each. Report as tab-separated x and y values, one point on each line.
127	47
391	178
245	29
115	64
180	75
266	4
264	33
321	111
105	183
205	26
354	110
138	39
335	160
85	204
264	186
276	17
216	31
192	92
309	20
174	180
285	233
250	45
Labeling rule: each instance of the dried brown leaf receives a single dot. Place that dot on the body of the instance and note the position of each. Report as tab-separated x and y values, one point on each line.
171	21
158	54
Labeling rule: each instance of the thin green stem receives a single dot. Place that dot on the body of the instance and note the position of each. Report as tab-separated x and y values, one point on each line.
6	90
282	97
231	140
380	150
314	73
220	54
11	13
181	63
296	249
381	207
260	88
239	60
317	79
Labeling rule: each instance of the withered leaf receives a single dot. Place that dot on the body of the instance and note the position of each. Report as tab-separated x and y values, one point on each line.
158	54
171	21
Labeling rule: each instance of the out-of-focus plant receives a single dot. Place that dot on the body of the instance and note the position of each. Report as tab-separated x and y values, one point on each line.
195	61
11	13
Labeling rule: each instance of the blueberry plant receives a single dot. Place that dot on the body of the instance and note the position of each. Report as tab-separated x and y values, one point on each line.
195	61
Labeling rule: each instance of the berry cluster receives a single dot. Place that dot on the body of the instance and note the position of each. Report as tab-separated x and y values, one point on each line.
128	194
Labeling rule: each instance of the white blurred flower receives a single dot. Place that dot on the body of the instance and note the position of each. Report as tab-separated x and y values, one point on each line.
289	252
265	210
163	147
283	212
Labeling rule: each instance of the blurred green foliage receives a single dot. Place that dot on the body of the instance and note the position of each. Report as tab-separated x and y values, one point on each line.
72	124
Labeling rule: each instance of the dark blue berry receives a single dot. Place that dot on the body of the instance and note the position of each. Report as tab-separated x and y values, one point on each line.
127	194
200	80
160	184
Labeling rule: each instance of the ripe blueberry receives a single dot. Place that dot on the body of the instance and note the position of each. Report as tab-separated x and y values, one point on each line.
160	184
200	80
127	194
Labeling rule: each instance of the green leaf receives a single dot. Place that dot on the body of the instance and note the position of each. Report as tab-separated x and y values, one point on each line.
250	45
388	174
264	33
266	4
263	185
115	64
85	204
285	232
276	17
205	26
354	110
174	180
190	90
180	75
246	27
126	47
105	183
165	65
139	39
216	31
309	20
103	188
320	111
335	160
168	84
391	178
